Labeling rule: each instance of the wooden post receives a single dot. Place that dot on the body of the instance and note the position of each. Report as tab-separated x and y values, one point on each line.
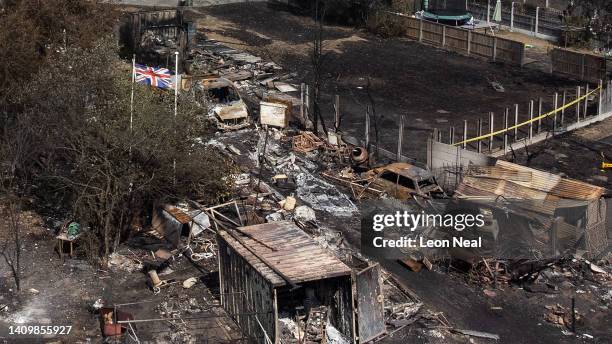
464	134
443	35
491	130
479	134
506	115
577	104
469	42
539	114
530	120
555	106
586	100
512	17
516	109
421	30
337	108
399	139
494	48
563	105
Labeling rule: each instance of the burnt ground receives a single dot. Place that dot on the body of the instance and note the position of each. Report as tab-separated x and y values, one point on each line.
432	87
56	292
577	154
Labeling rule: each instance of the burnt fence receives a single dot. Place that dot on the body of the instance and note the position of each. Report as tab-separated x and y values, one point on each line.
465	41
577	65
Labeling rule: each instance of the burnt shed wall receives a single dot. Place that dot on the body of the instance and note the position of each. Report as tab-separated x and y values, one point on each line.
246	295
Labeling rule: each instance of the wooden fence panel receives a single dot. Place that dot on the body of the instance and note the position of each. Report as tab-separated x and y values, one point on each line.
432	33
482	45
457	39
577	65
412	28
594	68
510	51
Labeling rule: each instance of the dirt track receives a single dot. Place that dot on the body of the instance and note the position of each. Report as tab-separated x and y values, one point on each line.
432	87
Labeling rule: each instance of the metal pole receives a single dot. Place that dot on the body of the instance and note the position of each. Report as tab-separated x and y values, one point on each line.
530	120
464	134
586	100
302	102
337	106
516	111
563	105
539	114
556	106
512	17
577	104
132	96
537	20
491	130
399	139
506	115
479	134
450	135
176	82
488	12
367	129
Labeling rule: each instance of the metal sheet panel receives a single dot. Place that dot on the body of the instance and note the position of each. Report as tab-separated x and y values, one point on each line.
370	304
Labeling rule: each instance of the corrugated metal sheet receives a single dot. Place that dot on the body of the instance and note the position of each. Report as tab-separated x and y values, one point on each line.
554	184
496	172
297	255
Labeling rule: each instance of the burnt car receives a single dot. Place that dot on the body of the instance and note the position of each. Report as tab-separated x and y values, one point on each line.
402	181
225	106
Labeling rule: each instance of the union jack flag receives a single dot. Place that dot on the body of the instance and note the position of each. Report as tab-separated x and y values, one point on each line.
156	77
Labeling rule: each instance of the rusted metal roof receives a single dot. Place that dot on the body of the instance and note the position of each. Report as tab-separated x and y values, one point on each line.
178	214
297	255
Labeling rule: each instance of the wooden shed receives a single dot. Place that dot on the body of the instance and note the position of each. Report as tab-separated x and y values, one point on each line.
271	268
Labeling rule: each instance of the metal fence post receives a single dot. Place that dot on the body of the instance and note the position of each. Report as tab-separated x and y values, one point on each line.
399	139
506	115
539	114
530	120
563	107
577	104
586	100
479	134
512	17
556	106
491	130
488	12
599	104
464	134
516	109
537	20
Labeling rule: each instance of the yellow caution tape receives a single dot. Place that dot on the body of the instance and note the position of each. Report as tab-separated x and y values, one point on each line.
529	120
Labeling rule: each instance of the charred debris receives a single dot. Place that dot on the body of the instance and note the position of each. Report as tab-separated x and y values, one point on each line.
285	269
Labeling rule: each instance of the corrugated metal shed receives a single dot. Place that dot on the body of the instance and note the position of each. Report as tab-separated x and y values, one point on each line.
297	255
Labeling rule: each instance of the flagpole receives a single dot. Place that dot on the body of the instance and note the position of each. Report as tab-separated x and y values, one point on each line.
132	96
176	80
176	87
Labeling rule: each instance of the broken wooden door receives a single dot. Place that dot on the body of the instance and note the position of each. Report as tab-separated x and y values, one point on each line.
370	312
